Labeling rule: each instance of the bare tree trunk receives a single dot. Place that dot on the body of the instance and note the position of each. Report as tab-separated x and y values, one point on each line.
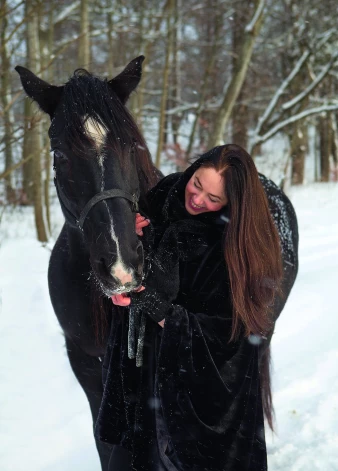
325	130
176	89
166	72
84	41
240	115
240	122
146	49
317	151
250	34
134	101
28	167
34	134
46	50
299	145
334	143
110	3
5	92
207	72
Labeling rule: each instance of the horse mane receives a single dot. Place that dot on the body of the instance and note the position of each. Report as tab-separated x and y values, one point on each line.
93	97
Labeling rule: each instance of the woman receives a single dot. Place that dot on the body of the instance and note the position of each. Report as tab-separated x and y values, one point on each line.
192	400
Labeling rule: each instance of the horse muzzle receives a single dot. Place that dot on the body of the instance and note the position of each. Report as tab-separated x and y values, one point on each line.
119	276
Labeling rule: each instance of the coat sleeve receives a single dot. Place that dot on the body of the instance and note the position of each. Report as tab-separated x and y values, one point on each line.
210	393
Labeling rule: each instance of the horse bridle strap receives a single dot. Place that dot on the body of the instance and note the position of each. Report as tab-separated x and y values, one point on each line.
104	195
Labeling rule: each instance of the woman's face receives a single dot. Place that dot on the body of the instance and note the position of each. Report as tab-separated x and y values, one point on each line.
205	192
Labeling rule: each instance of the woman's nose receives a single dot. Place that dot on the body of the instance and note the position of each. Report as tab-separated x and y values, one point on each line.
198	199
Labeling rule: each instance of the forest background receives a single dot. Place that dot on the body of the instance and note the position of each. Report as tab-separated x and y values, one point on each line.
262	74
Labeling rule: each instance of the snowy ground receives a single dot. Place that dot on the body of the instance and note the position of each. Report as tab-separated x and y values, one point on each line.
45	423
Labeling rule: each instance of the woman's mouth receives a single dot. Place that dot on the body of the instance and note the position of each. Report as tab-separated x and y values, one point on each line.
194	207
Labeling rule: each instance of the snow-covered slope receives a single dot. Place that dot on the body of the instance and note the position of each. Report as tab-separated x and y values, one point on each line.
305	344
45	423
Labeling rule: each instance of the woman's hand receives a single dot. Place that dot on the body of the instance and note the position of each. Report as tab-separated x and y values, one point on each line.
124	300
140	223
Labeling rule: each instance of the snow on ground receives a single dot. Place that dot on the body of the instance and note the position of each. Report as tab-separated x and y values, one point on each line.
305	344
45	423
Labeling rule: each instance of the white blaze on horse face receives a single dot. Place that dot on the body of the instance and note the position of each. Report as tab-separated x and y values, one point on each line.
98	133
119	271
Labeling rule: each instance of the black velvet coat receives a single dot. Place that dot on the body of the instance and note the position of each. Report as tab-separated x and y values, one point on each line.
195	404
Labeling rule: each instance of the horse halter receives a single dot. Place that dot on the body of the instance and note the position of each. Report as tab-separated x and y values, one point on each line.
103	195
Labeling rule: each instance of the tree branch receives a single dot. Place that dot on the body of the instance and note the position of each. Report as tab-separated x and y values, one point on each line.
293	119
273	103
297	99
14	167
286	82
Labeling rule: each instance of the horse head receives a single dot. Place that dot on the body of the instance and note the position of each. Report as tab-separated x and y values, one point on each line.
102	167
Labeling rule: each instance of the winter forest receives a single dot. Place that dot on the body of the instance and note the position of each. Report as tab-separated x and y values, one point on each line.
262	74
214	71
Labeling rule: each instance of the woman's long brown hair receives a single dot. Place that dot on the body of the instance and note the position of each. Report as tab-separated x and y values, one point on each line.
252	252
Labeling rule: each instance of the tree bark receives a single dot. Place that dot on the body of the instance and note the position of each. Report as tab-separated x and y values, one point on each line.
334	144
84	41
325	146
299	136
28	167
5	92
34	135
46	50
146	47
298	149
166	72
137	98
203	92
176	89
233	90
240	114
110	28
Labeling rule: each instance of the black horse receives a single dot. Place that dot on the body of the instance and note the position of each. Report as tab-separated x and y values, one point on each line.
103	170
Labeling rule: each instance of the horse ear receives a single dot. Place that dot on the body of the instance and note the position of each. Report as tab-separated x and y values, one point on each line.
126	82
47	96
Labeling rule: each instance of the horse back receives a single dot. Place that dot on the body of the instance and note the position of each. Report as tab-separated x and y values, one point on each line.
285	219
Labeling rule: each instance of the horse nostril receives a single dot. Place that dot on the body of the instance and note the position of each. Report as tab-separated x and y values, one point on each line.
103	267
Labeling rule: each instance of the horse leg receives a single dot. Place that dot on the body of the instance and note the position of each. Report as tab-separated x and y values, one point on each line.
88	371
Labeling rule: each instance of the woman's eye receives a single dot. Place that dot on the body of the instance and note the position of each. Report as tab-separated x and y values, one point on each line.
213	201
196	186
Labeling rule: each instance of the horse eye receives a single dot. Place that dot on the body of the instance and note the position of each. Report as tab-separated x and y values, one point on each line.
60	156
